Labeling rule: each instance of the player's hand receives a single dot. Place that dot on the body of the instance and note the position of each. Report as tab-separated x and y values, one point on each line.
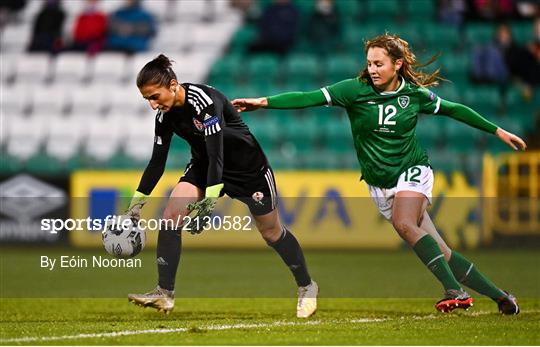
510	139
252	104
197	213
135	206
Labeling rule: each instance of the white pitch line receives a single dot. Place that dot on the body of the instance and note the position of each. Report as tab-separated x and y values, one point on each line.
225	327
180	330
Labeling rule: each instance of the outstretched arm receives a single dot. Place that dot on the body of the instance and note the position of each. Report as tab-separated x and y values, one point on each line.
470	117
289	100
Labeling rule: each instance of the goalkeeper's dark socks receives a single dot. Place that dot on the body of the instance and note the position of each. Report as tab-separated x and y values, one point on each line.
169	247
431	255
467	274
289	250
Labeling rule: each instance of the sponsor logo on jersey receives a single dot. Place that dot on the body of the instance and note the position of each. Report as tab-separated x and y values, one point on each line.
371	102
208	122
257	197
207	117
198	125
403	101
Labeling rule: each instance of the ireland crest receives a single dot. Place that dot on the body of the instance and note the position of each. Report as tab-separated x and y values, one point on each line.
403	101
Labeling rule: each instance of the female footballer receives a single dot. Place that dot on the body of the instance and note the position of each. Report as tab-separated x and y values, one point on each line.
383	105
226	159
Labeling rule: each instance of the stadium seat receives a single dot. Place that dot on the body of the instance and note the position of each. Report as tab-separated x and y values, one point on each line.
440	38
479	33
15	38
262	69
302	68
49	100
33	68
109	68
423	10
65	135
340	67
16	99
140	135
389	9
91	99
242	38
227	69
25	136
8	68
105	135
71	68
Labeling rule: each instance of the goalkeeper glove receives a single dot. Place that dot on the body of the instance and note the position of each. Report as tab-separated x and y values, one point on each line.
135	206
197	211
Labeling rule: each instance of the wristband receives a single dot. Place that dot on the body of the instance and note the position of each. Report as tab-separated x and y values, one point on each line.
213	191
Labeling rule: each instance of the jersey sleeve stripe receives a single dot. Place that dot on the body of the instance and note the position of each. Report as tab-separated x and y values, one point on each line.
202	94
438	105
195	103
327	96
197	97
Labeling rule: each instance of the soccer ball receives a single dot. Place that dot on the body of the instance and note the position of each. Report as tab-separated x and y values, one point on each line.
122	238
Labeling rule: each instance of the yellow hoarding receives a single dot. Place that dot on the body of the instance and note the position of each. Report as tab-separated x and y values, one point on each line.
330	209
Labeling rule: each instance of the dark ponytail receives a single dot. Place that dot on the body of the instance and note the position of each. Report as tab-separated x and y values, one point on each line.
158	71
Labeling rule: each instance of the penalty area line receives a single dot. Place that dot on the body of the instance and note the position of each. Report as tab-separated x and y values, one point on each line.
183	330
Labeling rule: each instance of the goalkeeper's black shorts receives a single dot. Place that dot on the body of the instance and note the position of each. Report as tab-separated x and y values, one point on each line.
255	189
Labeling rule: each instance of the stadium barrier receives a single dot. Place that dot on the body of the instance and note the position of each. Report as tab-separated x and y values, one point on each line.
511	185
325	210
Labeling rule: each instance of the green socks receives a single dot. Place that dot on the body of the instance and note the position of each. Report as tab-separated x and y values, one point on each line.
429	252
466	273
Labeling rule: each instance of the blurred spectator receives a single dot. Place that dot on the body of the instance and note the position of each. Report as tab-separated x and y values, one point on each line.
528	8
489	62
451	12
90	29
47	30
324	27
278	27
130	28
9	10
531	62
493	9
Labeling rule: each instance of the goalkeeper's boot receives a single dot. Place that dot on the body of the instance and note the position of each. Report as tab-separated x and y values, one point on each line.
454	299
508	304
307	300
159	298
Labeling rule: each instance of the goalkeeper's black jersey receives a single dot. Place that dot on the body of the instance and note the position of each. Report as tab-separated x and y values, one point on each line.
218	137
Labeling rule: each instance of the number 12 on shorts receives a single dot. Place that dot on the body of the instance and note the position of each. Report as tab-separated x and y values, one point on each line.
412	173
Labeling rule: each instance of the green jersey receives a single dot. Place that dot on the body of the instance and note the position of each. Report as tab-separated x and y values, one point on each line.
383	126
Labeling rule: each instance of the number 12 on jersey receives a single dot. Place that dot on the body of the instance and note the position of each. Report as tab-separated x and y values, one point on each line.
389	111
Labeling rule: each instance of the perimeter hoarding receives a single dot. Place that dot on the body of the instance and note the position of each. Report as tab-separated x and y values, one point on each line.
330	209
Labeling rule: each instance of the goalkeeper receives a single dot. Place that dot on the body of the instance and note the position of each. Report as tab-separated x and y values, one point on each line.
226	159
383	104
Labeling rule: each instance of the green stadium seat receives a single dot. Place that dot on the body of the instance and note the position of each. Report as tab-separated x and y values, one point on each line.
429	132
522	31
461	137
440	38
479	33
340	67
348	8
387	9
226	70
486	100
423	10
242	38
262	68
302	68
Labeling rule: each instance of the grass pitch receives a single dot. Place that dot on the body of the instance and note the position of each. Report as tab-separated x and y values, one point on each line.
248	298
